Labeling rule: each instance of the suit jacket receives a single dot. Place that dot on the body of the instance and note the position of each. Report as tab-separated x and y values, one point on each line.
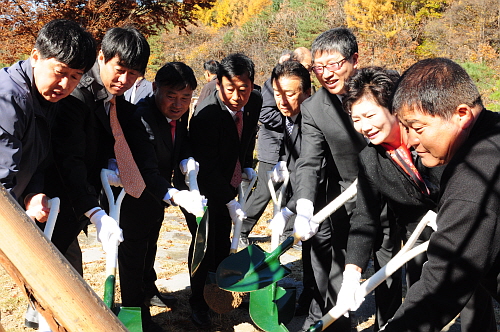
328	156
381	180
216	145
271	126
143	89
207	90
82	144
150	141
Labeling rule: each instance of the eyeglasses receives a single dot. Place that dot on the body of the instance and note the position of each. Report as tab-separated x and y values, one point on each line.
332	66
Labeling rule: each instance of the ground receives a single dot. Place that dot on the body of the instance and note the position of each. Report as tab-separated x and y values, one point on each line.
173	277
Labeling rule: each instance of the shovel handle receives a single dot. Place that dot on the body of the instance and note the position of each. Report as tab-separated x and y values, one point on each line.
369	285
192	175
404	255
51	219
337	203
114	212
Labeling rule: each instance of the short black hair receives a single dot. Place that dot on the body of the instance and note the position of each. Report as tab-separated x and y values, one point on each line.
129	45
292	68
67	42
372	82
435	86
340	40
176	75
211	66
236	64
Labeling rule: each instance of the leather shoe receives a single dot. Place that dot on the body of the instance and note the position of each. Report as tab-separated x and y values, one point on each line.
163	300
201	318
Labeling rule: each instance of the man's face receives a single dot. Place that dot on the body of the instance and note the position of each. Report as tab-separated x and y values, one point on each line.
235	91
289	95
434	138
173	103
334	81
116	79
375	122
54	80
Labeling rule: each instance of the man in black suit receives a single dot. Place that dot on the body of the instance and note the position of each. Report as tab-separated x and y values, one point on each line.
327	165
158	139
210	75
82	139
222	132
269	142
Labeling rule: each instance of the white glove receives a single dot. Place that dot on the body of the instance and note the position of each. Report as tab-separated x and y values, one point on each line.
248	174
279	221
189	164
191	201
114	179
278	172
304	226
347	294
108	230
235	210
113	165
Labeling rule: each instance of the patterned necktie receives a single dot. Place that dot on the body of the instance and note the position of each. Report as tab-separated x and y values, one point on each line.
236	179
173	124
289	127
129	172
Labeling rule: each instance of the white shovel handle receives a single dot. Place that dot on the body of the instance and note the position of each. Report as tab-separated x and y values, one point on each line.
51	219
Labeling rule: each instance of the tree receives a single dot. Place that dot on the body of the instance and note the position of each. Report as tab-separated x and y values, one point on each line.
20	20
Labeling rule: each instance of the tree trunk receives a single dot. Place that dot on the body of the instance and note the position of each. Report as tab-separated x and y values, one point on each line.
58	292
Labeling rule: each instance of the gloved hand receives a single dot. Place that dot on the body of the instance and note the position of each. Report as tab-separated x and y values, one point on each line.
279	221
248	174
347	294
113	165
107	228
114	179
189	164
278	172
235	210
304	226
191	201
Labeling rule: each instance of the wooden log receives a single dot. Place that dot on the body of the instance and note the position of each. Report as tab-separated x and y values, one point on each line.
61	295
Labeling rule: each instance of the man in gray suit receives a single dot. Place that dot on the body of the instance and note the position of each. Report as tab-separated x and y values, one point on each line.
142	88
327	165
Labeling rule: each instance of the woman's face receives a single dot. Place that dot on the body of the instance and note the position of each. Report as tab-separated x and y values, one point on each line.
375	122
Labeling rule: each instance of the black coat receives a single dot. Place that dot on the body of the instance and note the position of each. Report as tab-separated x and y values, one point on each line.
381	180
216	145
464	252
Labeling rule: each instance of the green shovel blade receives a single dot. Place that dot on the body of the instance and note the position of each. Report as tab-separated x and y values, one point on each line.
200	242
272	307
130	317
252	268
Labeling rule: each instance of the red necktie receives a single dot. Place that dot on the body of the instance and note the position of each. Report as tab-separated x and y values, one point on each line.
130	176
236	179
173	124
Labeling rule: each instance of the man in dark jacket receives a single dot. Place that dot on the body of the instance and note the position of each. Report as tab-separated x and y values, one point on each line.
63	52
222	132
447	124
158	139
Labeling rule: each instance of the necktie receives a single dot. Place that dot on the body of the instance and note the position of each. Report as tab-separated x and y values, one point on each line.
289	127
129	172
236	179
173	124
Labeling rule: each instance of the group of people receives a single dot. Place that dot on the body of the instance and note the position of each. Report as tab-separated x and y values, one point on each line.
419	142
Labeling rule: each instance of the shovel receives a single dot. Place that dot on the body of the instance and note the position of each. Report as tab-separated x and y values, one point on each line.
252	268
272	307
47	231
404	255
200	239
129	316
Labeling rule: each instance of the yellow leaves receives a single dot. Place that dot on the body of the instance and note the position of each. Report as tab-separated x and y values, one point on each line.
372	17
232	13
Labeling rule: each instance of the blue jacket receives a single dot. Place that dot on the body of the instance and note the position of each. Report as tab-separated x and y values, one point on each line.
24	128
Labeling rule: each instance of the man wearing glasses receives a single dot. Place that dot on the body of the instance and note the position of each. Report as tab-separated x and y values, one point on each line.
327	165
